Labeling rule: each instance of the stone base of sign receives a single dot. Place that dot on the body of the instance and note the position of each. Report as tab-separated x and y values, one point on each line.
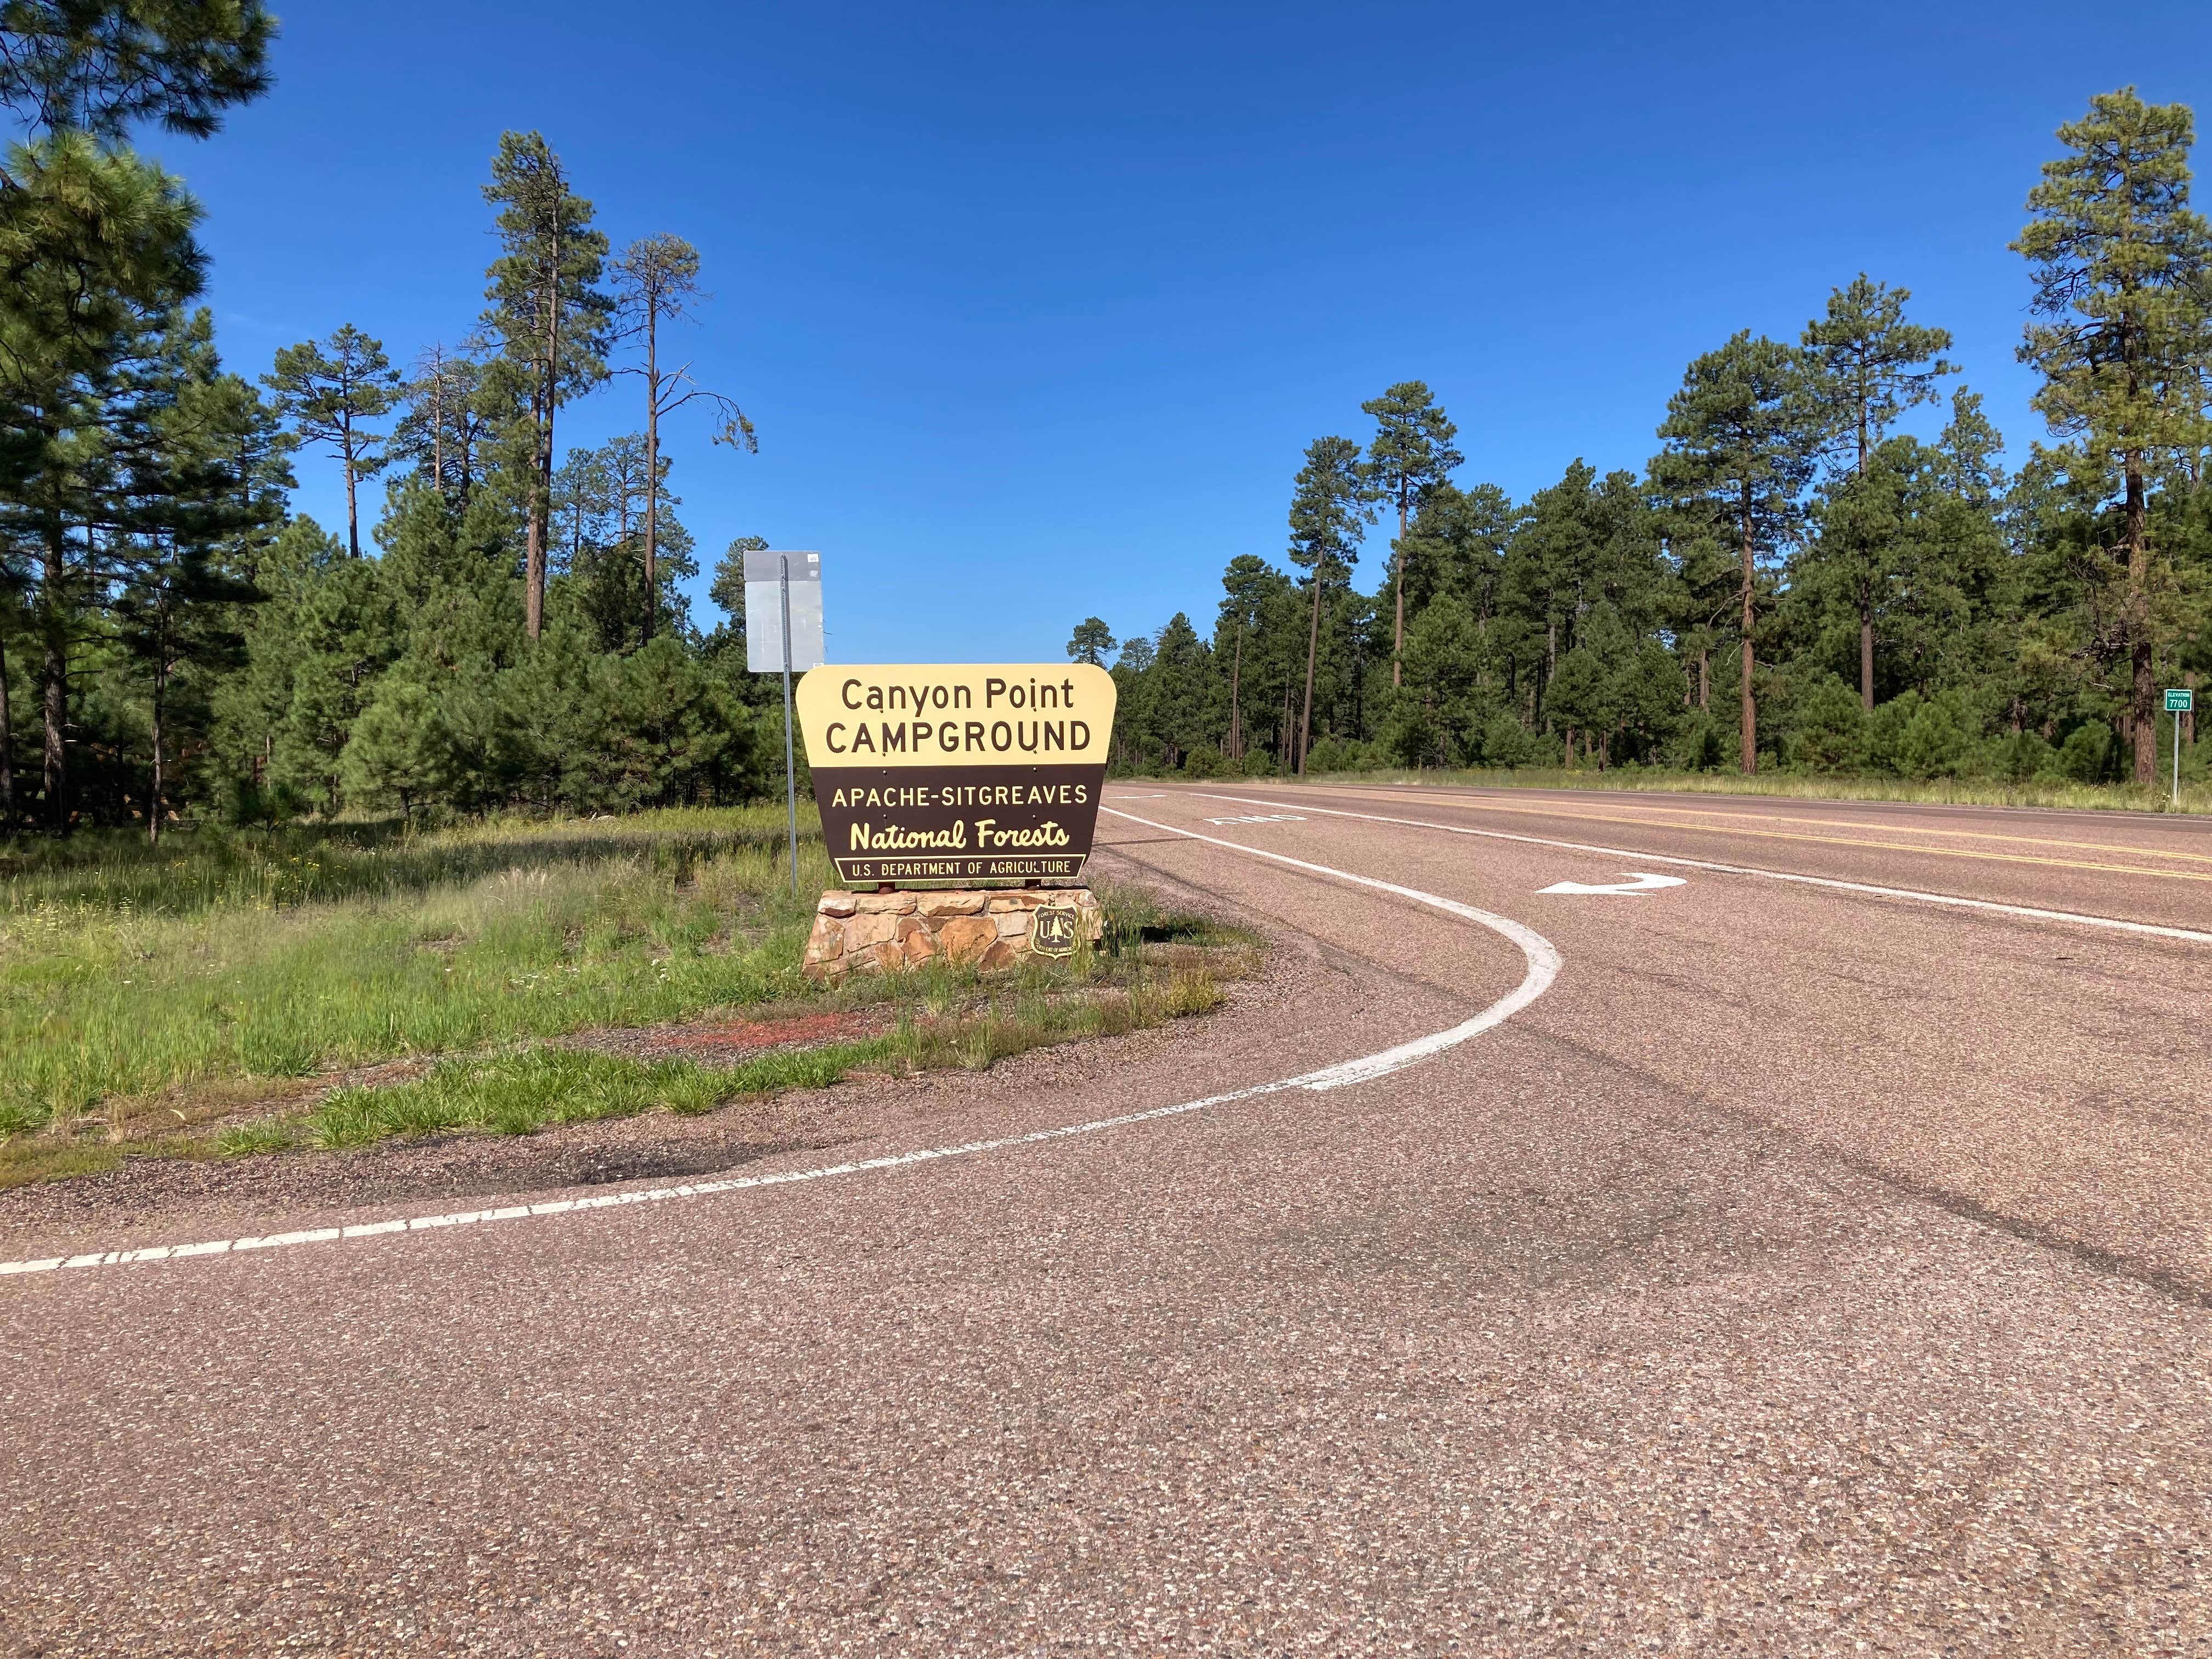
889	932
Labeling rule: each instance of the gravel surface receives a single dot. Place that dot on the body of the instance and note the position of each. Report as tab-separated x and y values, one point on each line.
1804	1274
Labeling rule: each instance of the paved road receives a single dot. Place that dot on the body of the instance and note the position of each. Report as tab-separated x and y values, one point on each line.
1807	1270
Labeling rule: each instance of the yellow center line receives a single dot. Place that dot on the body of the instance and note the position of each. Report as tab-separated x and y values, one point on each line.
1730	821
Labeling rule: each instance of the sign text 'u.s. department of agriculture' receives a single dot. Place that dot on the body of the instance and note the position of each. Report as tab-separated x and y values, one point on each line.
975	772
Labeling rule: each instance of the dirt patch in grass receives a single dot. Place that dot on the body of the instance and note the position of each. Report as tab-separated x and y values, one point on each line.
722	1041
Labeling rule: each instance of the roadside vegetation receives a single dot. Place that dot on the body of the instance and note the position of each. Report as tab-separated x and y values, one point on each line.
1830	563
2195	797
201	998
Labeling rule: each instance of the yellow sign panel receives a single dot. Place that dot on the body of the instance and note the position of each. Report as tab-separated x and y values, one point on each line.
984	771
964	714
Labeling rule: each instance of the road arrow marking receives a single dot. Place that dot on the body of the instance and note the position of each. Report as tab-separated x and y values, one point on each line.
1635	884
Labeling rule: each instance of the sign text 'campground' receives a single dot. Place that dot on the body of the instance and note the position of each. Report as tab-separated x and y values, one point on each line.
975	772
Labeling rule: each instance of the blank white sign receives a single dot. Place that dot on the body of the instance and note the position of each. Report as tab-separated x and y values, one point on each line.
764	611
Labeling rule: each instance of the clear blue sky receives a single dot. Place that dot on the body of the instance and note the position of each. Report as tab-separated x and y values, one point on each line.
1037	307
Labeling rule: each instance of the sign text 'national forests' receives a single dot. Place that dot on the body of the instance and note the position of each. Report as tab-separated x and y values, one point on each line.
973	772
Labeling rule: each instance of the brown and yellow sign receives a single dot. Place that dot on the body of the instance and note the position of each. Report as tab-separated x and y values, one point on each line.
957	772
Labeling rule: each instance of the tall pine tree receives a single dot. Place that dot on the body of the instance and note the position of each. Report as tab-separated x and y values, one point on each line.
1329	514
330	390
1741	435
1410	455
2121	266
550	320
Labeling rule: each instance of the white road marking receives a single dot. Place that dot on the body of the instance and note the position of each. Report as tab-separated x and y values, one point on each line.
1543	961
1949	900
1258	818
1636	883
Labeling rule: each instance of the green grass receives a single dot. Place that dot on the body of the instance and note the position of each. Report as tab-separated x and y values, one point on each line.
524	1090
126	978
2109	797
170	1002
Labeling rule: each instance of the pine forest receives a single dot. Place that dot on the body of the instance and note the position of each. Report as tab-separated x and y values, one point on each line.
1792	581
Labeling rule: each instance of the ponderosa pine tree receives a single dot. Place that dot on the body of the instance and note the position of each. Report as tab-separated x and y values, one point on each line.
258	458
15	583
1410	455
1873	365
1244	589
1090	642
1741	435
330	390
2121	265
103	67
657	281
180	508
96	251
550	321
94	243
442	428
1853	560
399	748
601	506
1329	514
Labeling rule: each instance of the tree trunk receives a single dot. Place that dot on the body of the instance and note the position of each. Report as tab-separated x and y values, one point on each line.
2143	696
1398	636
533	544
1236	674
1866	654
54	630
1705	679
353	512
1543	683
1750	708
541	504
652	457
7	747
160	780
438	427
1313	650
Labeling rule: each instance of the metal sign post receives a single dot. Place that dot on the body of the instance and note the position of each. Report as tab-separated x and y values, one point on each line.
2178	703
790	768
783	635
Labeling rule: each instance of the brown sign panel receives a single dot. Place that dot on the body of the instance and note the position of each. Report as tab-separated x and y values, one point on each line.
978	772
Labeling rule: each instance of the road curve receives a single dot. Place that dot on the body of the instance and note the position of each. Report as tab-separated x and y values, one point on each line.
1809	1270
